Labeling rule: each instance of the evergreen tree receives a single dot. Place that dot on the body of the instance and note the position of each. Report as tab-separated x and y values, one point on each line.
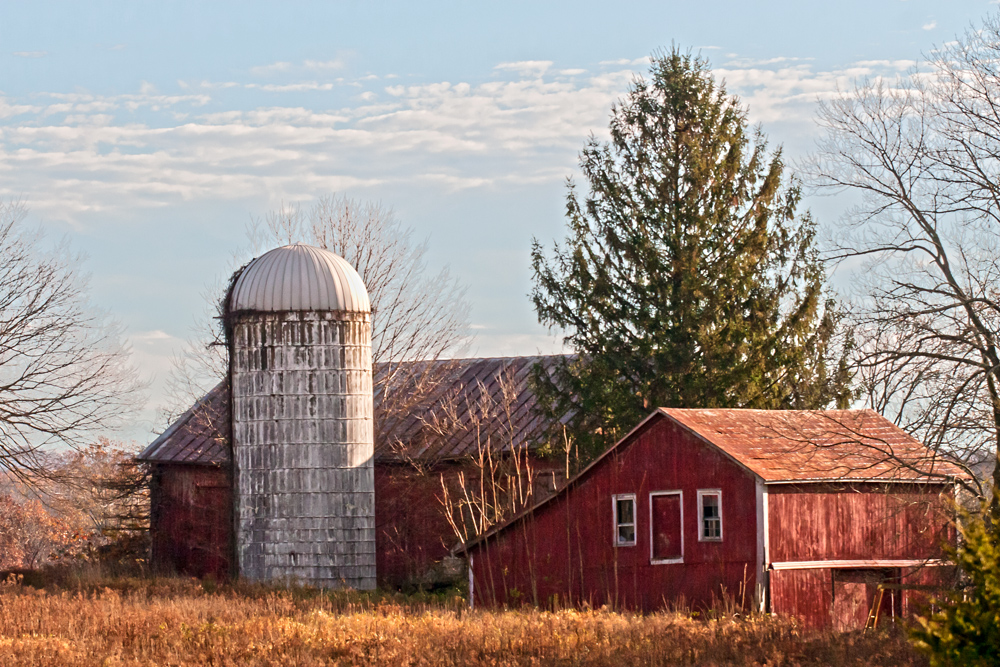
688	278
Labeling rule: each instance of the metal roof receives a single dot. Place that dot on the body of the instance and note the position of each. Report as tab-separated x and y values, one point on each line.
299	277
815	445
200	436
470	397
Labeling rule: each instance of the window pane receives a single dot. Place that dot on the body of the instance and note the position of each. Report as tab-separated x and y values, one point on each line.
711	525
626	510
626	533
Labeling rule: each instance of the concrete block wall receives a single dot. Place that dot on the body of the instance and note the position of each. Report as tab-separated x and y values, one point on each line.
302	440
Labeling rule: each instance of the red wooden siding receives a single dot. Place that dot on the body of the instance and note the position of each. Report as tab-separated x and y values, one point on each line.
412	532
564	549
856	522
191	522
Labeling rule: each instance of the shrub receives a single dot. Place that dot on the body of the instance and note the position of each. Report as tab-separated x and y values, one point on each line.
966	628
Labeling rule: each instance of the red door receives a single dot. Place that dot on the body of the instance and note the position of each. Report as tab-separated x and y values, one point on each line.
666	522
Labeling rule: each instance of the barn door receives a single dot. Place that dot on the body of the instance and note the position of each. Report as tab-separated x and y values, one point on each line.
665	521
855	595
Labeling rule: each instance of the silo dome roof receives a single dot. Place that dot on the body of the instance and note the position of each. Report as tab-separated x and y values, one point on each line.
299	277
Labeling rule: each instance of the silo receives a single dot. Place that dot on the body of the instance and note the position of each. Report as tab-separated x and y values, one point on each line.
299	325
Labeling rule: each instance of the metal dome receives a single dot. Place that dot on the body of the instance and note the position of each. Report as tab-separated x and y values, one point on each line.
299	277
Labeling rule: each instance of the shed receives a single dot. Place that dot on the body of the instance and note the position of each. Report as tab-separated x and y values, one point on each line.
191	494
805	513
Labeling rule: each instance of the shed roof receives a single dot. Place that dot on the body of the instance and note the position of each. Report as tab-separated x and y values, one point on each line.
470	396
815	445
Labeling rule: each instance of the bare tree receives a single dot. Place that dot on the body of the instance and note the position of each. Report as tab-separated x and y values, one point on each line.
418	315
498	478
65	375
924	154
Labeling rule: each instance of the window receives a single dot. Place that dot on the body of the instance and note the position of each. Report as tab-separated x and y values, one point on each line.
666	519
709	515
624	505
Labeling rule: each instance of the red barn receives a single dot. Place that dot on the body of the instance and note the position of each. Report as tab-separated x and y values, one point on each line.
191	492
798	512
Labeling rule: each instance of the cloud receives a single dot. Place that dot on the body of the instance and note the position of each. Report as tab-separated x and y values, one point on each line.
324	65
526	67
929	26
30	54
273	68
292	87
75	153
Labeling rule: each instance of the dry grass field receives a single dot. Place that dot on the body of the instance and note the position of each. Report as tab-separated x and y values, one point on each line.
182	622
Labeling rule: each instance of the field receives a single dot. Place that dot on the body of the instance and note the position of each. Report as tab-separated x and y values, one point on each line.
184	622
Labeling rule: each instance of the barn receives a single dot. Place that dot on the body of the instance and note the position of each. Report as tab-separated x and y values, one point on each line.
825	515
487	398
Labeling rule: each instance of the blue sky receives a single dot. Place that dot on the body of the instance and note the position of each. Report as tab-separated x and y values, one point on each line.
149	134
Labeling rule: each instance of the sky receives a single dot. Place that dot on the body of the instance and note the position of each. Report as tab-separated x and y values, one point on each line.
148	135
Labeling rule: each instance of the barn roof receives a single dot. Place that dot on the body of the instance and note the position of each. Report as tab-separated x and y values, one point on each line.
815	445
469	396
200	436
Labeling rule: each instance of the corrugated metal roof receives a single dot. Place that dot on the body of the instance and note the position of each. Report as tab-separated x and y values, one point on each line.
475	398
199	437
471	397
299	277
813	445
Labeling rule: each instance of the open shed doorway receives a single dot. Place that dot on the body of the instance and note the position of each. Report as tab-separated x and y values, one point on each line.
855	593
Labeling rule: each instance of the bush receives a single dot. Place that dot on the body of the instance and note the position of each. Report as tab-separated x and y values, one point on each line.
966	629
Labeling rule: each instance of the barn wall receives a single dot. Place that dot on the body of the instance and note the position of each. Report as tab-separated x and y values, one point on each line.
412	531
191	525
191	520
858	522
563	551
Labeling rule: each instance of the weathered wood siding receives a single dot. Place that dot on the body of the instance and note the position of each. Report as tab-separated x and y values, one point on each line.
413	533
853	524
191	520
564	550
302	430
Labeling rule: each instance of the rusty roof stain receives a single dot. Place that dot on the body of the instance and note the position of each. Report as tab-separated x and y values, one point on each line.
469	398
807	445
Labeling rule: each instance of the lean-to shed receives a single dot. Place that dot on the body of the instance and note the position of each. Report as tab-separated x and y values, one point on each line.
797	512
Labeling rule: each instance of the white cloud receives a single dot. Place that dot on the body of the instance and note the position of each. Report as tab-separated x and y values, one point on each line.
324	65
929	26
273	68
526	67
292	87
71	153
30	54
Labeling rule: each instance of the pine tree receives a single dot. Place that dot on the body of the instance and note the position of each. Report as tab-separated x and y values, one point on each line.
688	278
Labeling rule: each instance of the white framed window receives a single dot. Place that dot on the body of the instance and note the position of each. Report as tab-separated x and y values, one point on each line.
709	515
666	527
623	506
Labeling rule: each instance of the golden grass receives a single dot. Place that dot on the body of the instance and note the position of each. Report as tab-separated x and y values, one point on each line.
177	622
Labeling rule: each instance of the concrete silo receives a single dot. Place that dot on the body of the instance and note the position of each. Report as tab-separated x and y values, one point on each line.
299	325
